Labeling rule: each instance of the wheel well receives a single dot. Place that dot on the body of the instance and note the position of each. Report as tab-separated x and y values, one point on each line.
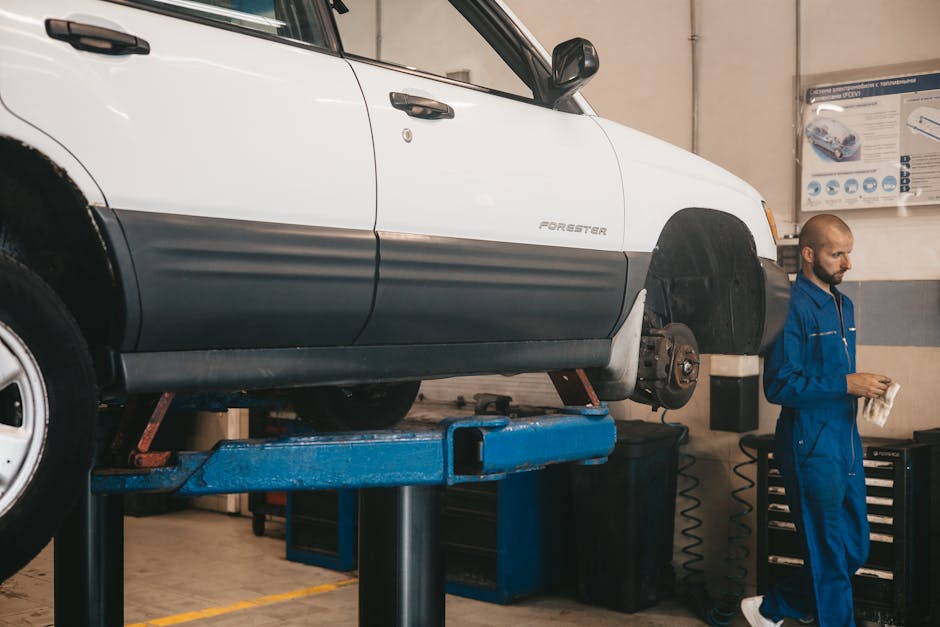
705	273
46	223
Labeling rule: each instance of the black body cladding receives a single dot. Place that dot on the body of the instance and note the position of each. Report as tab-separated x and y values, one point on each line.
233	304
209	283
437	289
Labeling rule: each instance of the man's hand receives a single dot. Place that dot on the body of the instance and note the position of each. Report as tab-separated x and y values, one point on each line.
866	384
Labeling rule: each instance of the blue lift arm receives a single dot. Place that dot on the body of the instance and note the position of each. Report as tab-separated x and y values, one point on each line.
456	450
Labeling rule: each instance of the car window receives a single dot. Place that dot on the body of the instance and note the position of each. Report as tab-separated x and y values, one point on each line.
296	20
434	37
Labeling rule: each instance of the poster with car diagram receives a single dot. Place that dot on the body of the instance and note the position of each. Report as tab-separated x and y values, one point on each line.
871	143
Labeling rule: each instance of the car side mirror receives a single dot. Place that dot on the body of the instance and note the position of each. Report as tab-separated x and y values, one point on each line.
574	62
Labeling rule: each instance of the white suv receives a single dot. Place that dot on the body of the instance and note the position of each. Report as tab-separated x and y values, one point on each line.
340	201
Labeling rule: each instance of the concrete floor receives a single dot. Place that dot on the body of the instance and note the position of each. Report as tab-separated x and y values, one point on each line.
178	565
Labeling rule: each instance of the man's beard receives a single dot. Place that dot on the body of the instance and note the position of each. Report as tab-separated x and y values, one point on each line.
825	277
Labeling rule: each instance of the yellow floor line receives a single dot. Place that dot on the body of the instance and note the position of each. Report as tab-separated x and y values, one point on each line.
244	605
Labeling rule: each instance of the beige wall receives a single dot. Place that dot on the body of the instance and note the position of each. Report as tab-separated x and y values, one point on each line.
880	32
747	94
645	77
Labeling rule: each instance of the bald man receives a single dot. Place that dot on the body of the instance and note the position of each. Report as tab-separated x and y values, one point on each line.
810	371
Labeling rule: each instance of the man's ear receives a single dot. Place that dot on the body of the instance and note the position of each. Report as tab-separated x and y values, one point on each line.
807	254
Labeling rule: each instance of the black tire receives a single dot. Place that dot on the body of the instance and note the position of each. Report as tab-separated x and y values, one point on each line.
356	408
39	336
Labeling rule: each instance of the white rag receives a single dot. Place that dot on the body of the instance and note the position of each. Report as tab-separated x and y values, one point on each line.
876	410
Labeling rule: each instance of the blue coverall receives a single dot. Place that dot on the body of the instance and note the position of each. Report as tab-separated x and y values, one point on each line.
819	452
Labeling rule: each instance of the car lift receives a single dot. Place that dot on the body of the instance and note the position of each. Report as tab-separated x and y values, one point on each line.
401	569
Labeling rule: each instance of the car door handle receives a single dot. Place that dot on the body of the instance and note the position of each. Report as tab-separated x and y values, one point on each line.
418	107
95	38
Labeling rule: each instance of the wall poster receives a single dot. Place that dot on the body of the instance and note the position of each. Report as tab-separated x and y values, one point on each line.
871	143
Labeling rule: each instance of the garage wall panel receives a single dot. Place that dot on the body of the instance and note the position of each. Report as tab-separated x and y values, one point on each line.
896	313
845	34
645	72
747	58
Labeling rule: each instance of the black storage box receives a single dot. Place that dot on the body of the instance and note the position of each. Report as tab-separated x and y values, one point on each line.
733	405
624	519
322	528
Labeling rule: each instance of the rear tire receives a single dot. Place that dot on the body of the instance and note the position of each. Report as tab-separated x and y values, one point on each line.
356	408
47	414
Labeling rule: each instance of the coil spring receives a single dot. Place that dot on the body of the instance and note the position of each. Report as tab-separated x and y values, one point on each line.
690	483
739	531
690	566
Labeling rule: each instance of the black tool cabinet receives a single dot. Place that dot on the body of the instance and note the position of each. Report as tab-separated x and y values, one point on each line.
893	587
932	437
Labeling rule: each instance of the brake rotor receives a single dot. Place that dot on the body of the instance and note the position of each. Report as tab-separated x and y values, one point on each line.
669	367
683	371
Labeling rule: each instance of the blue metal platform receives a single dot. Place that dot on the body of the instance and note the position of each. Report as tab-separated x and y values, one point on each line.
456	450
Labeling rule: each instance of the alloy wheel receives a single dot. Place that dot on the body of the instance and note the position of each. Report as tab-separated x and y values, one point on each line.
23	417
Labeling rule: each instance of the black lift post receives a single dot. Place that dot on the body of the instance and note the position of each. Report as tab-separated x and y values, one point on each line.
89	563
401	562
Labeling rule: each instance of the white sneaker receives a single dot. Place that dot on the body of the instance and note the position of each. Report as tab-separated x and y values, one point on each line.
750	608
